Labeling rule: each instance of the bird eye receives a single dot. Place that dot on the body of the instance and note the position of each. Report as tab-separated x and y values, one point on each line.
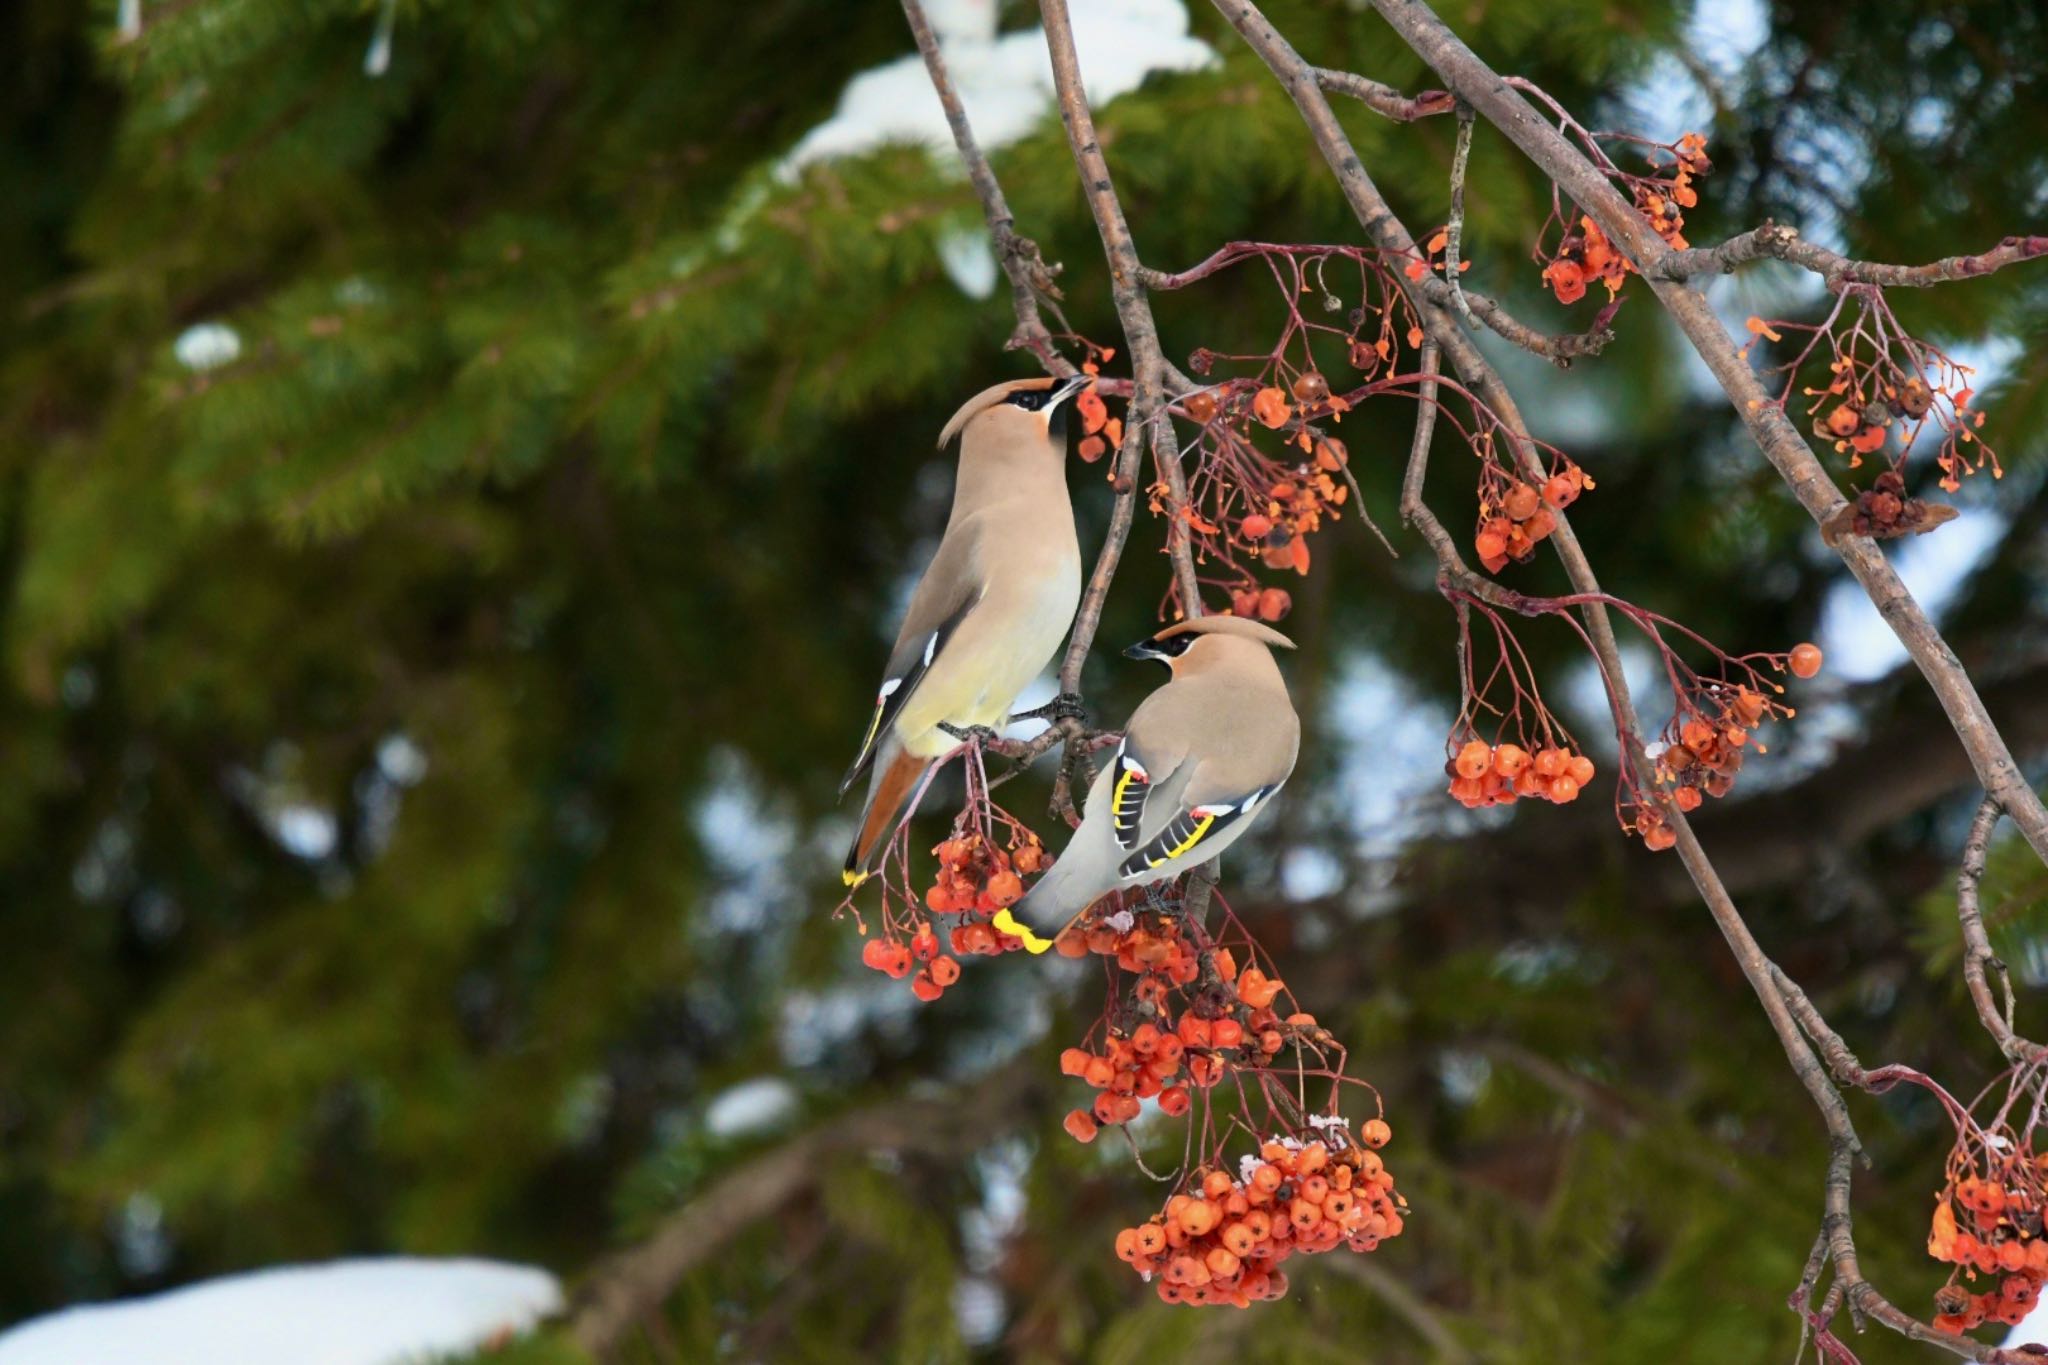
1031	400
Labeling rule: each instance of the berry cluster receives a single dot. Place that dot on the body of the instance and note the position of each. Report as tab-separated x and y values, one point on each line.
1100	433
1585	254
1883	511
1223	1239
1248	507
1515	517
1881	381
976	877
1485	774
1271	507
1703	747
1226	1018
1990	1227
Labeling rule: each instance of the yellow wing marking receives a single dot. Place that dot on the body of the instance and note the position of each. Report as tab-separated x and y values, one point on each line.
1201	828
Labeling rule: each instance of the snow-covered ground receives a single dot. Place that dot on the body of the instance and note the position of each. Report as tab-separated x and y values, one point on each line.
383	1311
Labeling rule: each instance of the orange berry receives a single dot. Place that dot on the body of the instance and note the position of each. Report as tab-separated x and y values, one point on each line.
1222	1262
1274	603
924	988
944	970
1563	789
1127	1240
1071	943
1198	1216
1215	1185
1521	502
1098	1072
1073	1062
1509	760
1082	1128
1550	763
1579	768
1304	1215
1804	660
1375	1133
1257	526
1174	1101
1657	838
875	954
1687	798
1272	409
1310	387
1474	758
1151	1239
1270	1041
1560	491
1005	889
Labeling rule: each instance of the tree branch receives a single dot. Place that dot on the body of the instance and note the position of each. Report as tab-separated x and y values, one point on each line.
629	1288
1028	273
1782	243
1472	80
1149	422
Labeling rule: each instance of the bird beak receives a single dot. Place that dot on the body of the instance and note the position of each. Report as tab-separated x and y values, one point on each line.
1068	389
1144	649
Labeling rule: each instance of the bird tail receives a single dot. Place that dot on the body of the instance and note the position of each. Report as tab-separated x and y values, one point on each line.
896	776
1055	901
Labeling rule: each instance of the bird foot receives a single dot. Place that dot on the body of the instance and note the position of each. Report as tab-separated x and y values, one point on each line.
980	735
1066	706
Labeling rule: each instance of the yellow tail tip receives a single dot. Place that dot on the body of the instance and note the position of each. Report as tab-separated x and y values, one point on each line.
853	878
1018	929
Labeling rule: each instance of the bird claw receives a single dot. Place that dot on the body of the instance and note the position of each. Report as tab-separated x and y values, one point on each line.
980	735
1066	706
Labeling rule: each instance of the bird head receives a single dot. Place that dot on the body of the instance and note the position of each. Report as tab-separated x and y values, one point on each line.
1213	633
1022	408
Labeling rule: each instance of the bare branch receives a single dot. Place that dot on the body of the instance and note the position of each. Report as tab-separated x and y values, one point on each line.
1779	242
1385	99
1028	273
1978	959
1148	363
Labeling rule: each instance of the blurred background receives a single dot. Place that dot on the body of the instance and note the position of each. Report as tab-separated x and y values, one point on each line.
459	470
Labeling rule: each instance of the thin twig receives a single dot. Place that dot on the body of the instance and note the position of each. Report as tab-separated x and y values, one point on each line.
1456	227
1978	959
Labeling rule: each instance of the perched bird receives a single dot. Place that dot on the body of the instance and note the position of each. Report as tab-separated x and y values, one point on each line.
992	607
1201	758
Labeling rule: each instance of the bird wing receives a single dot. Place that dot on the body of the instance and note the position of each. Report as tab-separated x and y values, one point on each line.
1131	784
1194	822
949	590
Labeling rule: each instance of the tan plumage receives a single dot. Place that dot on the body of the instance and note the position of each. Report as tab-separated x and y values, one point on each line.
1199	761
991	609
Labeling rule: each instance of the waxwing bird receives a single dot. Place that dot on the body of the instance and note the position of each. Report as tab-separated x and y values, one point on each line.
992	607
1201	758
